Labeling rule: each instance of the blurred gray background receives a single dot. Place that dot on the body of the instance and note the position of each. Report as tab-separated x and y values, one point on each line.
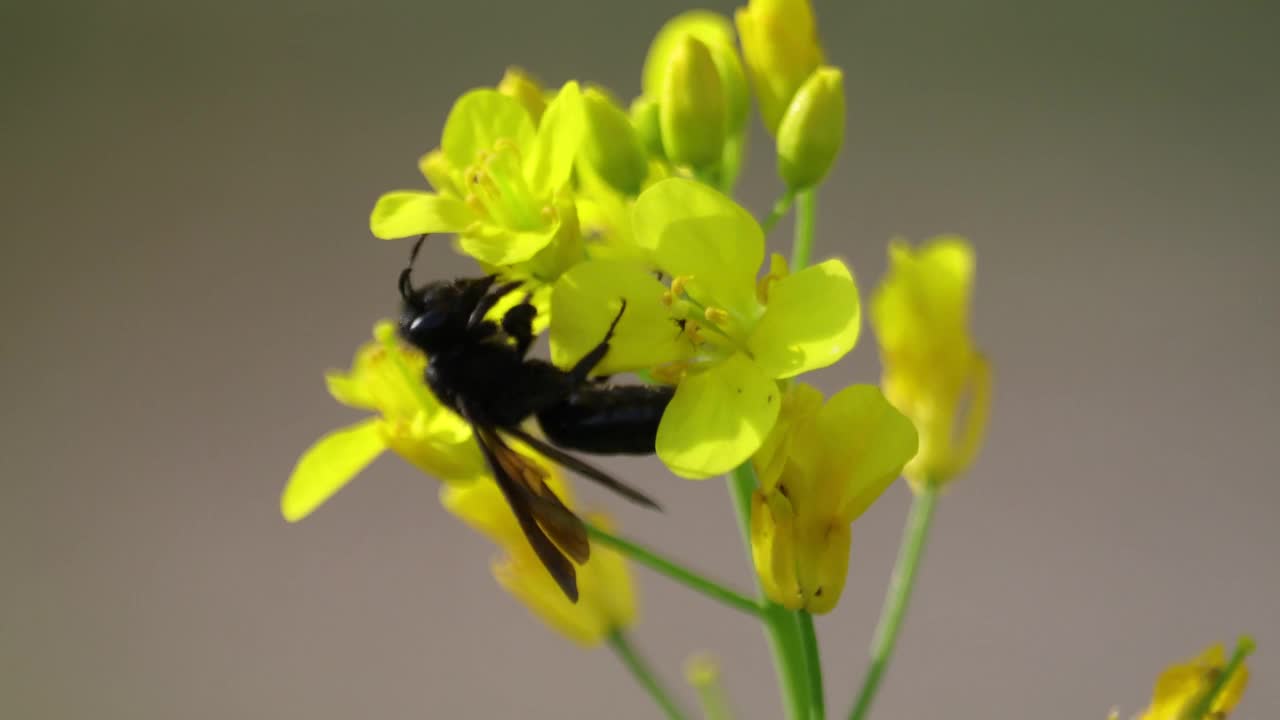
185	200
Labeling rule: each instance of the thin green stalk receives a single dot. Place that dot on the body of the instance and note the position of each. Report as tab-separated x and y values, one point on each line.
1244	648
644	675
703	673
675	571
899	596
781	207
779	623
806	218
813	662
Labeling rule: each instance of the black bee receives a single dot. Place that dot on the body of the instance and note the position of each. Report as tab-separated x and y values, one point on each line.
479	369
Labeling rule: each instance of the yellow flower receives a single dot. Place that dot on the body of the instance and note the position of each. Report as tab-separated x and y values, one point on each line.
606	602
724	337
385	377
1182	686
499	176
780	46
932	371
821	467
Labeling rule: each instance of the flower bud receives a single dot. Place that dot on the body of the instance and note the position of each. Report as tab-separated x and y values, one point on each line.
518	84
644	118
780	46
716	32
692	110
613	147
812	129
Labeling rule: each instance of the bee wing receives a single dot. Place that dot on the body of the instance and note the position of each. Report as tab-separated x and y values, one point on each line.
532	510
583	468
553	516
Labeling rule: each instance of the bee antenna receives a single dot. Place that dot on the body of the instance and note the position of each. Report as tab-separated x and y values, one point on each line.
406	282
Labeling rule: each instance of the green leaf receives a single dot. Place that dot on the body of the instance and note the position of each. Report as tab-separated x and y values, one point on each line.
328	465
478	120
696	231
406	213
812	320
717	419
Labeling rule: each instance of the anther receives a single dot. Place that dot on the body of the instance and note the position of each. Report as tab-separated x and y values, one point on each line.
678	283
719	316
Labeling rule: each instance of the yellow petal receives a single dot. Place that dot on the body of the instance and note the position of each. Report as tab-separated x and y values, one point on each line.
697	232
483	508
800	406
865	443
822	563
923	301
559	137
812	321
525	578
587	298
328	465
773	548
718	418
407	213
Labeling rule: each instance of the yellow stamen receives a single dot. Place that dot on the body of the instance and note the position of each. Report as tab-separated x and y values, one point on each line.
671	373
719	316
678	283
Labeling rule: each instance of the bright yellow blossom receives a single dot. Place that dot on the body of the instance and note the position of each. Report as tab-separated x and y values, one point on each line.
385	377
500	180
722	335
1181	687
606	602
822	466
932	371
780	45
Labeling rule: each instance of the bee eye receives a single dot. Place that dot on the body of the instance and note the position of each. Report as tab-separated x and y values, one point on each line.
426	321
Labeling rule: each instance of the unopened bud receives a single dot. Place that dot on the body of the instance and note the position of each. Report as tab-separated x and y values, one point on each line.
781	49
692	111
527	91
644	118
812	130
716	32
613	146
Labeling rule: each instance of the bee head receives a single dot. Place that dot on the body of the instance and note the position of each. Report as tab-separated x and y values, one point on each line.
435	316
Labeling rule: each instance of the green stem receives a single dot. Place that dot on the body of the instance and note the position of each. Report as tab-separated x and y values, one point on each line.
703	674
780	624
806	217
644	675
675	571
781	207
1244	648
898	597
813	662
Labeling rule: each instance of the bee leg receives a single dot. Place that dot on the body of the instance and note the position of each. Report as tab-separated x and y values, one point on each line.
518	323
583	367
486	303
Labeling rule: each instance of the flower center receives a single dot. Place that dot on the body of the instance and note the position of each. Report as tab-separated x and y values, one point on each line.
497	189
710	328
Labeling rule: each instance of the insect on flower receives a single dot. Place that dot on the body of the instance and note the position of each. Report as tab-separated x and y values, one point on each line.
479	369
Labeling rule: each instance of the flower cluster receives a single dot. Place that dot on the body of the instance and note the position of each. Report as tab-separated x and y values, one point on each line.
591	205
618	220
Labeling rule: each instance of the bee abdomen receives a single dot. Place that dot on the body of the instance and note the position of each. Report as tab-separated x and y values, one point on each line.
621	420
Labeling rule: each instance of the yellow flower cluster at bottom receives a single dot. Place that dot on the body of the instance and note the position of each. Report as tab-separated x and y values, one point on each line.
607	600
